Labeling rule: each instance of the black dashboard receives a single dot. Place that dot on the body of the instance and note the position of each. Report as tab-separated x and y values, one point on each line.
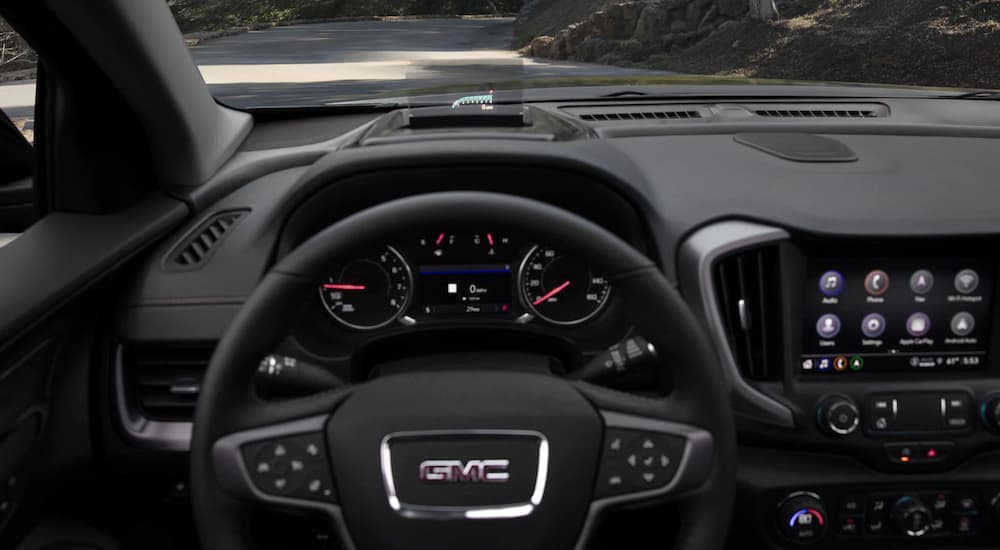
856	327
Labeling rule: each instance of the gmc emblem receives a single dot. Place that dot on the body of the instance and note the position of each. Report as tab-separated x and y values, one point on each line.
471	471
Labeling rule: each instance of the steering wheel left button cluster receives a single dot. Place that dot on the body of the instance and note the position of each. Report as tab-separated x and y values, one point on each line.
635	460
291	466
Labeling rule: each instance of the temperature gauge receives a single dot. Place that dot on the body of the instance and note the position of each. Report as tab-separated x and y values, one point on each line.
370	292
560	289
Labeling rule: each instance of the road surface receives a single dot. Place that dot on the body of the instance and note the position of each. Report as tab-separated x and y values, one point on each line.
320	63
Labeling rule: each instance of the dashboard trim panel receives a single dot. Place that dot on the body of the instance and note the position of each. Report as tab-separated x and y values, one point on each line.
697	257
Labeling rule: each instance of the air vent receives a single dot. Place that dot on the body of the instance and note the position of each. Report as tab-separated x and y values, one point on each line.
165	381
748	288
195	249
647	115
826	110
628	113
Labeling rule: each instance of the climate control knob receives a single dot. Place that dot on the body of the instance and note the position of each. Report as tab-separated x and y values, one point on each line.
837	416
802	517
989	412
911	517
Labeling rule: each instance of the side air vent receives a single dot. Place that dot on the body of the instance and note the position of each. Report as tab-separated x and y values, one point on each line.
165	381
200	244
748	287
638	113
828	110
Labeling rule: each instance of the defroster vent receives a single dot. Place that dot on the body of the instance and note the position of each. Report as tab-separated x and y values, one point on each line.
748	287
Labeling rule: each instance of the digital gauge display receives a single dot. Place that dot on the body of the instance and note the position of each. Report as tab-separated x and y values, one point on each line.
444	274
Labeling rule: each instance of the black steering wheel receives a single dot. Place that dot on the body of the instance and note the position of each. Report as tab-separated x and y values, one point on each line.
464	459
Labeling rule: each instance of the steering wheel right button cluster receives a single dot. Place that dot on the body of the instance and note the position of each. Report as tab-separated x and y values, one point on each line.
635	461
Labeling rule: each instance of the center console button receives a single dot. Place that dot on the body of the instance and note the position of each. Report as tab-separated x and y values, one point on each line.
911	517
850	526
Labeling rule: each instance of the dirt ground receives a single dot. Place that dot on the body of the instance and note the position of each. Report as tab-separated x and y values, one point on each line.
949	43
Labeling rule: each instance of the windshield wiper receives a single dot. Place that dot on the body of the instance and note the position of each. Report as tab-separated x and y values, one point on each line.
624	93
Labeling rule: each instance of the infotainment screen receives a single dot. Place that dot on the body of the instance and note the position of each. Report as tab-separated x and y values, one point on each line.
896	314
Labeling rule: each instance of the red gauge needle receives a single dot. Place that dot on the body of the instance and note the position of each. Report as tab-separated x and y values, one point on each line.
344	287
551	293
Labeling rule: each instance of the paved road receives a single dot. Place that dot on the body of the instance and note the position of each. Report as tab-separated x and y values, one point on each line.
321	63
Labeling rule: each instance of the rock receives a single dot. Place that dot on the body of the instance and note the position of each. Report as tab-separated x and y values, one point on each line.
678	26
725	25
704	4
736	44
693	15
708	18
733	8
654	21
540	46
621	19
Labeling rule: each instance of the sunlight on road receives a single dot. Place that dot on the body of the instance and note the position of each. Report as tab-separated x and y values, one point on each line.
299	73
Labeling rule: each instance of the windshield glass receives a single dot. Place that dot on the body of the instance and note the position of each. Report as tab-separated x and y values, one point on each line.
279	53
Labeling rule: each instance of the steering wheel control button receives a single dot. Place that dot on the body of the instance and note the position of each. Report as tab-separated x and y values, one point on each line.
828	326
293	466
918	324
921	282
876	282
967	281
802	517
963	323
873	325
642	461
831	284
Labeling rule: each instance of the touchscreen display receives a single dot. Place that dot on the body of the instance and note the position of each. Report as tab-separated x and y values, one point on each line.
897	314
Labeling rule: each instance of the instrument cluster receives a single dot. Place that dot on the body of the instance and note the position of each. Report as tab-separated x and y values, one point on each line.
463	274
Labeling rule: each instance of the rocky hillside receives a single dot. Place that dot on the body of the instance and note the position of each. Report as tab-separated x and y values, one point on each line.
615	31
949	43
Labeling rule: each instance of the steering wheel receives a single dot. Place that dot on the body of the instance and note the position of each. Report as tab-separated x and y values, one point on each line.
464	459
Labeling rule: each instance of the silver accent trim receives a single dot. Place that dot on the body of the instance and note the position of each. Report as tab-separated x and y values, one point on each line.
741	305
828	420
235	478
694	468
505	511
140	431
698	255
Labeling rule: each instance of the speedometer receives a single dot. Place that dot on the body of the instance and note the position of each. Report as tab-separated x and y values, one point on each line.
560	289
370	292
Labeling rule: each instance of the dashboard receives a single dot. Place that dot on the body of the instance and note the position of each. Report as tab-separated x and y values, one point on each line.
853	304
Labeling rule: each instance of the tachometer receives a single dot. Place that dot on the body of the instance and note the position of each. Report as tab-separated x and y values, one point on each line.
370	292
560	289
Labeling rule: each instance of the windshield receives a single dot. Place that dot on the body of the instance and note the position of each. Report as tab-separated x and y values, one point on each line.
281	53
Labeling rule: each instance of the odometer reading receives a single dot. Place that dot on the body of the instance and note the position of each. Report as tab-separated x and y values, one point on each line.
370	292
560	289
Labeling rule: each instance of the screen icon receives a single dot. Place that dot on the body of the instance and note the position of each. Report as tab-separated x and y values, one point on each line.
831	283
963	323
922	281
877	282
873	325
857	363
840	363
807	364
828	326
918	324
967	281
823	364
